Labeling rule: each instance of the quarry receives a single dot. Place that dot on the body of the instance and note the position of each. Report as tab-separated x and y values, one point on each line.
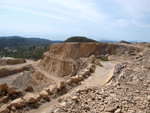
78	78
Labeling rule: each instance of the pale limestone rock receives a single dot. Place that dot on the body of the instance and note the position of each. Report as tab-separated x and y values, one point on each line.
18	103
4	109
75	98
118	110
64	104
75	79
80	77
53	89
85	72
31	98
68	81
44	94
60	85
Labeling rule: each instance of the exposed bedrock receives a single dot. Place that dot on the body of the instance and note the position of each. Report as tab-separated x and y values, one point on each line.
63	59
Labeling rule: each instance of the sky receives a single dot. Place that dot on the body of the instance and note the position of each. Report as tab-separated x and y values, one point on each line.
60	19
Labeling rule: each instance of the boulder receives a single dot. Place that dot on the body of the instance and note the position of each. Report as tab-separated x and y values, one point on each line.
91	67
29	88
4	109
18	103
85	72
80	77
60	85
44	94
31	98
4	99
53	89
68	81
3	87
13	90
75	79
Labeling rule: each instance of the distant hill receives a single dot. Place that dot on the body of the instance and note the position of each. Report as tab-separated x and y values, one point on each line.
15	41
79	39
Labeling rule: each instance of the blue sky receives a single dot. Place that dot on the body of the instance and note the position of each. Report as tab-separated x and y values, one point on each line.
60	19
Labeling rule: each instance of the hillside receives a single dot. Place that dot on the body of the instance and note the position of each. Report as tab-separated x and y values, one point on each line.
15	41
21	47
79	39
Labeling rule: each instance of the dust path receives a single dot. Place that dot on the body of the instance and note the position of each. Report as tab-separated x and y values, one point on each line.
99	77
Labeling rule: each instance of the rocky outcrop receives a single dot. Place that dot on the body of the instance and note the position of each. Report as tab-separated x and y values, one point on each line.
63	59
12	61
10	71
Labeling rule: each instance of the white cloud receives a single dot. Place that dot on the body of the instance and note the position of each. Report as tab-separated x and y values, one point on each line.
64	10
119	23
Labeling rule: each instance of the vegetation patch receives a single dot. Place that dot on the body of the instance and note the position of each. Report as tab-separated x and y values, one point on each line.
26	52
102	57
79	39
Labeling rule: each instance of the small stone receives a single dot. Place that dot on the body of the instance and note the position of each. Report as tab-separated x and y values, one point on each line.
64	104
75	98
111	109
68	81
148	97
60	100
13	108
118	110
80	77
29	88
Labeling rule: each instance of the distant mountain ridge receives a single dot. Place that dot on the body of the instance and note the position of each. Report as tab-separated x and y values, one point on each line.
22	41
114	41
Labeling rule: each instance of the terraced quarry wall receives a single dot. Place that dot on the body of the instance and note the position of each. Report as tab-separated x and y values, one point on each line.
63	59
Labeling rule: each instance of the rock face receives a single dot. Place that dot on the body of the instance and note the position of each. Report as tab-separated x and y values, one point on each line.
10	71
63	59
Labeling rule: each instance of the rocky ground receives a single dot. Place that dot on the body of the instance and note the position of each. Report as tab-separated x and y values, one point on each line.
129	91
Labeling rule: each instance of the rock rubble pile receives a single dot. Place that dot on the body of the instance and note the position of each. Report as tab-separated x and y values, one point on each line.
129	91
